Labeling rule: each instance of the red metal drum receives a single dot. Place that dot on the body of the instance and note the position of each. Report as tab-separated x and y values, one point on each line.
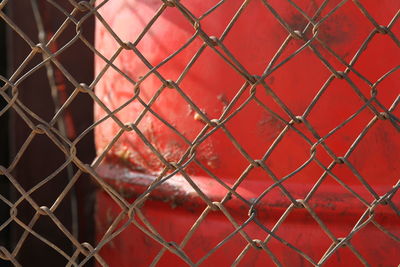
285	128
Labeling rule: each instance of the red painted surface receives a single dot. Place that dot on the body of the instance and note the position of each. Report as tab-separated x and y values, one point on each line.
211	84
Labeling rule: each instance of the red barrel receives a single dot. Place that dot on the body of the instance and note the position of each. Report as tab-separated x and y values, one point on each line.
285	127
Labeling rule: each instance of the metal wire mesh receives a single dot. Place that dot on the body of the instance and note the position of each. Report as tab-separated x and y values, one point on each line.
59	129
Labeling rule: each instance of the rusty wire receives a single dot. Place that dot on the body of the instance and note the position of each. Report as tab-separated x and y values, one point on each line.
132	214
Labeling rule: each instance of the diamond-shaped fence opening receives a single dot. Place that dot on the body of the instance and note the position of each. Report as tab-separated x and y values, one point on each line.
199	133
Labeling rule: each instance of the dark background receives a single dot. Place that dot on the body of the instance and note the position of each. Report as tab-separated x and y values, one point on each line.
4	145
42	157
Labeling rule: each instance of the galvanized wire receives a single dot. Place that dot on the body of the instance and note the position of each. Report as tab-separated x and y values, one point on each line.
59	132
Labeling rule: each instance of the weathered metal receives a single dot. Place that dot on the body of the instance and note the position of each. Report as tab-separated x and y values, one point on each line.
319	121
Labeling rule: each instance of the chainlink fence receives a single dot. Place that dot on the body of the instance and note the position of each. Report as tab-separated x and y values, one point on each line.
365	111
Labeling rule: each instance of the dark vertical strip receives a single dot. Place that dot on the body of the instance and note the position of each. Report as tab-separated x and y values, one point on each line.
4	146
42	157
